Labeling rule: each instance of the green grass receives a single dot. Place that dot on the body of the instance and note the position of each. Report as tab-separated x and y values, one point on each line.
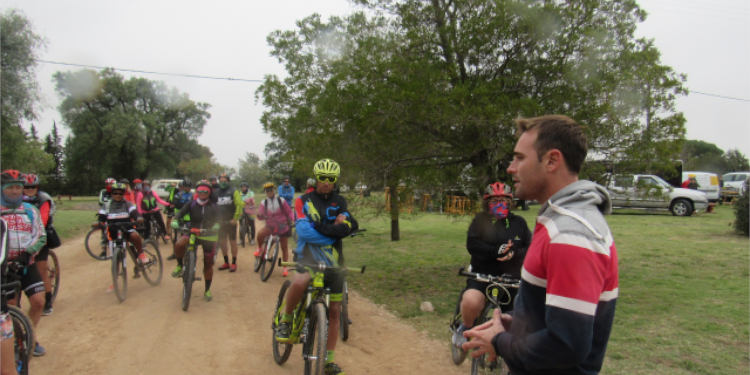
683	306
74	217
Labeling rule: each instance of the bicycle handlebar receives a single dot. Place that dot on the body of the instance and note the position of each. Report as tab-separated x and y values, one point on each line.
322	267
504	279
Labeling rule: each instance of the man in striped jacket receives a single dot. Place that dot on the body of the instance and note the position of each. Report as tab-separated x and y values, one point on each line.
566	304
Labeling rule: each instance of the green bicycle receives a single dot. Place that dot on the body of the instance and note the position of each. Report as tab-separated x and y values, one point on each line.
309	321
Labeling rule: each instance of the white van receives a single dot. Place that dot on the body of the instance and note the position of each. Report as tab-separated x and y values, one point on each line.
160	186
707	182
734	184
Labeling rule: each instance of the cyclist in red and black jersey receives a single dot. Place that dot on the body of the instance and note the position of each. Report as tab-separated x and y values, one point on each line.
119	210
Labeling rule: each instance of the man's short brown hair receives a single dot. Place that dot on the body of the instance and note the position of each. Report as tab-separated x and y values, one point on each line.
557	132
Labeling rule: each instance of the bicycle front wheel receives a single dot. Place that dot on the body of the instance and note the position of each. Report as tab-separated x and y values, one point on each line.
281	351
53	270
23	338
94	245
344	321
152	271
120	273
188	276
314	349
271	254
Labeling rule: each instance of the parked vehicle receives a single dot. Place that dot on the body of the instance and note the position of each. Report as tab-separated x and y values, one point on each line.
160	186
734	184
707	182
643	191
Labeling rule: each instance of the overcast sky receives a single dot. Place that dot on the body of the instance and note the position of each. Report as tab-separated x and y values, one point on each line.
708	41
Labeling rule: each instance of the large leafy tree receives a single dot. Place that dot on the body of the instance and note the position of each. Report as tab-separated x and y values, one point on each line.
426	90
126	128
734	160
19	94
252	171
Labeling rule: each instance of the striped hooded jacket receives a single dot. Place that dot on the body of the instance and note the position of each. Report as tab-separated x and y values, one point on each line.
569	285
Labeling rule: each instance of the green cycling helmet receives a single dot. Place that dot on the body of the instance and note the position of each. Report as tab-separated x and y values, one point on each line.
326	167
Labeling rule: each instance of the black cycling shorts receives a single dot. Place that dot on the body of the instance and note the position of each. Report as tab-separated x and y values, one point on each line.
31	282
334	279
227	230
42	255
482	287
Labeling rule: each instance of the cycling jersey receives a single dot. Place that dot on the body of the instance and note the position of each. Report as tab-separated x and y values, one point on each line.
486	235
146	202
276	213
25	230
45	204
287	192
200	216
316	216
229	202
122	211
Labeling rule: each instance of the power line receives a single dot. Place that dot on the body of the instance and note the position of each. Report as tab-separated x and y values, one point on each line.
151	72
720	96
198	76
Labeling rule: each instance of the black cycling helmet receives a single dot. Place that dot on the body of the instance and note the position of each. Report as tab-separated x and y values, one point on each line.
243	183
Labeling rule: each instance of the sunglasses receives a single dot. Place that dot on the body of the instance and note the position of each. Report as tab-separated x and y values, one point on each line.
117	193
29	187
203	191
326	178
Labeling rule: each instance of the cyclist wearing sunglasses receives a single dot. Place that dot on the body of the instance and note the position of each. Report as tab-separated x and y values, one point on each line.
202	213
322	221
119	210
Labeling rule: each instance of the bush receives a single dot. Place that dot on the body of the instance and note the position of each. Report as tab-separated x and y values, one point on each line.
742	212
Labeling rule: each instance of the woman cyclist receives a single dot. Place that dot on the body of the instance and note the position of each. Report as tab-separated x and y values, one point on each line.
146	201
200	213
497	241
278	216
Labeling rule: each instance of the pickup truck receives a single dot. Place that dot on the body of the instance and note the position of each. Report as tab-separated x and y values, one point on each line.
644	191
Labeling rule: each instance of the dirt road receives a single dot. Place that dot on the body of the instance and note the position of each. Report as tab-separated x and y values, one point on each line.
91	333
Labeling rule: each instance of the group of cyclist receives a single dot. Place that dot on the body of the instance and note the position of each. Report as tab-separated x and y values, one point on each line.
27	215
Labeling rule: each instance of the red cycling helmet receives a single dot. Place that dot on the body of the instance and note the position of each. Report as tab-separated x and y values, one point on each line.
11	176
31	179
497	189
137	181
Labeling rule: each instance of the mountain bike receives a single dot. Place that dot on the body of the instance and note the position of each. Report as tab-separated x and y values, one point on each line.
269	253
245	230
345	321
119	246
189	264
497	295
157	232
95	242
309	320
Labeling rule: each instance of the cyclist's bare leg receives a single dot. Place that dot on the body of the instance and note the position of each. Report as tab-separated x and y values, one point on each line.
41	266
7	359
180	246
284	248
208	268
135	239
294	294
472	303
169	226
334	313
36	301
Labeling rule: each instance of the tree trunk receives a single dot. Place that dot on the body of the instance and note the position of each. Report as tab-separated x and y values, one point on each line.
393	188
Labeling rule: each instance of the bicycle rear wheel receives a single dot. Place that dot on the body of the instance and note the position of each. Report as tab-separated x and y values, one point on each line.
314	349
152	271
23	336
188	276
53	270
271	254
156	232
344	321
281	351
93	244
120	273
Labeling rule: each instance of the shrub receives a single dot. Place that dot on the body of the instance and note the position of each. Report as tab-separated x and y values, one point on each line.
742	212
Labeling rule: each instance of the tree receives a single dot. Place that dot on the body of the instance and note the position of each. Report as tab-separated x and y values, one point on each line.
426	91
126	128
702	156
53	147
251	170
19	93
201	166
734	160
